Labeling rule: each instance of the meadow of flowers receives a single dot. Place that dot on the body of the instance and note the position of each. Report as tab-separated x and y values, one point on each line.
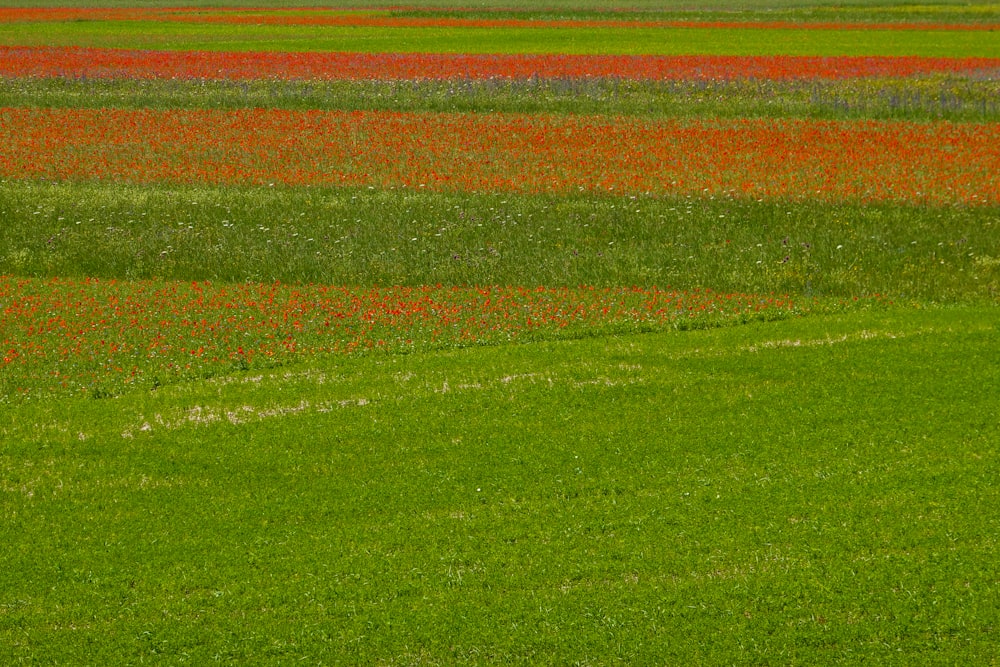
940	163
108	336
541	335
73	334
92	62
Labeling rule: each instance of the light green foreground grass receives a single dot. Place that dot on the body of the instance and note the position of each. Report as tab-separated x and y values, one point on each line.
929	98
626	41
816	491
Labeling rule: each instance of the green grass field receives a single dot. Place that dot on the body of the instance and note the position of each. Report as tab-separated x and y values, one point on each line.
813	486
398	237
815	491
930	98
627	41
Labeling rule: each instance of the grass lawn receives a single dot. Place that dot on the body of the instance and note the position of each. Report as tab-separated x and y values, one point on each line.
811	491
625	41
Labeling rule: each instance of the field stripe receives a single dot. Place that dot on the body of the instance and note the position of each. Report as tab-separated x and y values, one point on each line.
73	333
86	62
377	18
865	160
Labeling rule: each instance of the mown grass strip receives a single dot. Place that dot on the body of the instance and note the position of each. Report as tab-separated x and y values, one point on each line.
625	41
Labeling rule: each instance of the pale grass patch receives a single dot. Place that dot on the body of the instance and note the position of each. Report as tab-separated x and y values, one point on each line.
829	340
246	412
202	415
607	382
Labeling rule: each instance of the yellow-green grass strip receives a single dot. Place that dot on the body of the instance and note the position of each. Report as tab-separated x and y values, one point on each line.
625	41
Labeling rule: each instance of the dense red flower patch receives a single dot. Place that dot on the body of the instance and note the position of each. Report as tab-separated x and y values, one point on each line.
78	334
384	19
83	62
864	160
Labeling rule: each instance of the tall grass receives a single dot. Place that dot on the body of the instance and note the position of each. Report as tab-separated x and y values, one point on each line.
407	237
934	97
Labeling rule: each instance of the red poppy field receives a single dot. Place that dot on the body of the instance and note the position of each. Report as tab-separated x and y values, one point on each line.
90	62
943	163
838	162
101	336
